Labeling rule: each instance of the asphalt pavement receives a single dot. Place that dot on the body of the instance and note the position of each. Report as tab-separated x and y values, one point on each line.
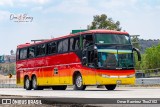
90	92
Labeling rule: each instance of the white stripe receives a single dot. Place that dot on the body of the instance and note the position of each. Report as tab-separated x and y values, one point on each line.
113	76
124	76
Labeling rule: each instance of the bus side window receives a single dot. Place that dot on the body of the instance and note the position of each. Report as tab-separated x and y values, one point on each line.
74	43
41	49
31	52
60	46
23	54
71	44
77	42
65	45
51	48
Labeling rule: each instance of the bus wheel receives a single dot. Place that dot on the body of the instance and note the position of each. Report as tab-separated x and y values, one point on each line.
27	84
110	87
78	83
63	87
34	84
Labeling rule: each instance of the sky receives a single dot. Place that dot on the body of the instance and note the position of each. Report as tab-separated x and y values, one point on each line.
24	20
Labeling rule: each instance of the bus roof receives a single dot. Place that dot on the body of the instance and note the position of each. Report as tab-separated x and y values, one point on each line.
72	35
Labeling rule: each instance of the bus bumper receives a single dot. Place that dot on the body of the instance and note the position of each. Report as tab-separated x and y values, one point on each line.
115	80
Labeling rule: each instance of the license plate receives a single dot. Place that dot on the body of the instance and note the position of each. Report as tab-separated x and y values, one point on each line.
119	82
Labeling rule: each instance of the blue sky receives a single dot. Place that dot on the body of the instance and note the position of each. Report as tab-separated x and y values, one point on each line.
53	18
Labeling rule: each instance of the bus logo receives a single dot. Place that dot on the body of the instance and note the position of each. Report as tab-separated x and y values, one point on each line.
6	101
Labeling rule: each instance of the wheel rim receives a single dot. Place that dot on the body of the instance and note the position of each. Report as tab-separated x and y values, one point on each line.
79	81
34	83
27	83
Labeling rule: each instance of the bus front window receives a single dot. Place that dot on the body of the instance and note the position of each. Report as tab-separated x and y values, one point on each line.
107	60
117	60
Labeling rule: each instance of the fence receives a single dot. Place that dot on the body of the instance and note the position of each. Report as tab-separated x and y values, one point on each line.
148	73
148	81
8	83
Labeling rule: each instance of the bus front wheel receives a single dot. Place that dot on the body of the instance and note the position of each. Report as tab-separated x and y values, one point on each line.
27	84
110	87
78	83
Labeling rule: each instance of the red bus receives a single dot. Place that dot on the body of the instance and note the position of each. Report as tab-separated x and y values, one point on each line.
93	57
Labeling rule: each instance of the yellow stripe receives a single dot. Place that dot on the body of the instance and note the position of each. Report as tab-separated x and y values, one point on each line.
87	80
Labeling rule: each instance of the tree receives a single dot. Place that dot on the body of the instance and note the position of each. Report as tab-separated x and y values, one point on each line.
103	22
153	57
11	52
135	41
12	69
140	65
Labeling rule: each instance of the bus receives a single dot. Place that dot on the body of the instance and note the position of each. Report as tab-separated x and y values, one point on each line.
93	57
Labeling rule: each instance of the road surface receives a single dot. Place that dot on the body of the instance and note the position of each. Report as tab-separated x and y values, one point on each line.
119	92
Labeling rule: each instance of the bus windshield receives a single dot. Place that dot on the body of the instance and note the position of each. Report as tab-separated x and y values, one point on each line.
112	39
110	58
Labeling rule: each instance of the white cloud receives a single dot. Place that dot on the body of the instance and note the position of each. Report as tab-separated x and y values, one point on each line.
73	6
136	17
35	1
38	8
112	4
6	2
21	2
4	15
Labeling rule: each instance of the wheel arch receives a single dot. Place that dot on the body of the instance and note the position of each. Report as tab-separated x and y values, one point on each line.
33	75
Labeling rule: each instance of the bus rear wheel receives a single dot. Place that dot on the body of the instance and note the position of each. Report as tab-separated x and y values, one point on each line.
78	83
63	87
27	84
34	84
110	87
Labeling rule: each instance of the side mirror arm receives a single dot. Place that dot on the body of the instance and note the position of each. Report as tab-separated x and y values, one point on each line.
138	53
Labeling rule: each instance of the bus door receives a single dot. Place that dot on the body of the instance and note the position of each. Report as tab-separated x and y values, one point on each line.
89	58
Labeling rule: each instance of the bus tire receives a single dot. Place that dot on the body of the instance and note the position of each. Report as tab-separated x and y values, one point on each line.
27	83
63	87
110	87
34	84
78	82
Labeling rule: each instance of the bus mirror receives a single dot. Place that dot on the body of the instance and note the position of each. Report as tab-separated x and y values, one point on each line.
138	53
84	60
